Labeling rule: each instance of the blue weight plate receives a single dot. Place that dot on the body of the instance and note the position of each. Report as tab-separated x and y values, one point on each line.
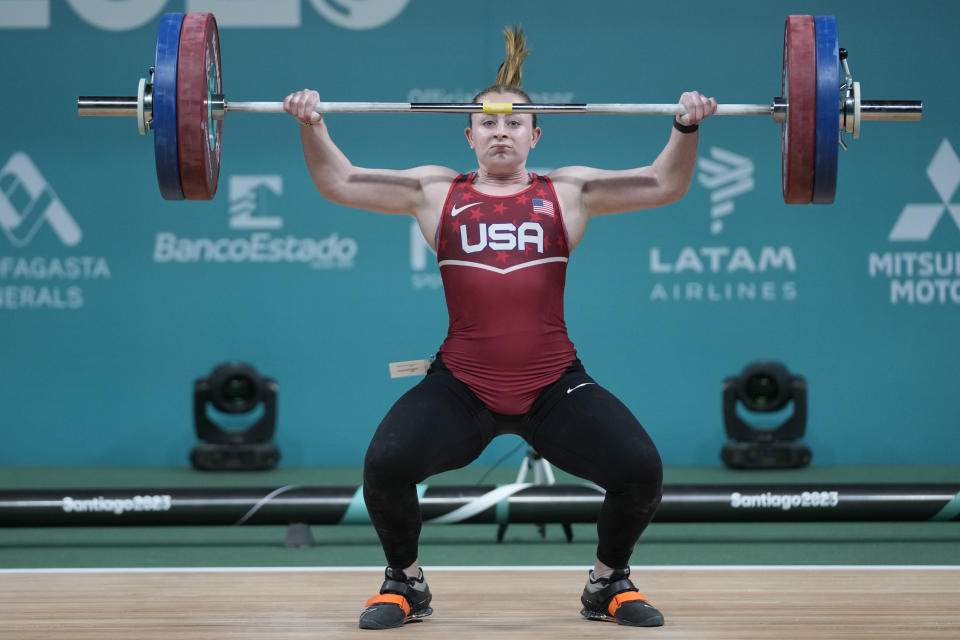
828	110
165	106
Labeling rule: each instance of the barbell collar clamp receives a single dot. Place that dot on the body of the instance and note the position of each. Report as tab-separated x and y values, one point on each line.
218	106
144	106
779	109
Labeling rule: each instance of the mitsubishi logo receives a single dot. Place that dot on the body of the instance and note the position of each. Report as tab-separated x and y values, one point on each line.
917	221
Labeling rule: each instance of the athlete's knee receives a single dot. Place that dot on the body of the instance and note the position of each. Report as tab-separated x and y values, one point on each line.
636	469
388	463
643	493
639	498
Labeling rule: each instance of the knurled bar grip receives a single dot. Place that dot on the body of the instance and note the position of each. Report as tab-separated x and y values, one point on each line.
500	107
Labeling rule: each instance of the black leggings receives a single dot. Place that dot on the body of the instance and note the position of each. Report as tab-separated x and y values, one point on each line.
575	424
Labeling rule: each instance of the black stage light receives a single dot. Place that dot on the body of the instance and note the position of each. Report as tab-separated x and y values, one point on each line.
236	389
765	387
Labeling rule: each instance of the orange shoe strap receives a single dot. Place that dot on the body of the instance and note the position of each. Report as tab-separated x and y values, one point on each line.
391	598
621	598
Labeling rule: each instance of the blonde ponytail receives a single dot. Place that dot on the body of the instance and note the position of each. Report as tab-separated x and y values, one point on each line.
510	73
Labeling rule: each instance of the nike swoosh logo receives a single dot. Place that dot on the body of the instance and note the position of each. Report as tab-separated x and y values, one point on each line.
454	211
572	389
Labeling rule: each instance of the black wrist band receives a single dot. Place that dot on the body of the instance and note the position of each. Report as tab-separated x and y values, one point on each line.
684	128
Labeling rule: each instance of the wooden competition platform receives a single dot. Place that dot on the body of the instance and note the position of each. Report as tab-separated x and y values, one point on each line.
702	603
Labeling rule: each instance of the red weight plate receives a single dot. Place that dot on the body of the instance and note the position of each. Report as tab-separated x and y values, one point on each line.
798	133
198	134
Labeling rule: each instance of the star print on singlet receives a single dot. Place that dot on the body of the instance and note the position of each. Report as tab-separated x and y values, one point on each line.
504	268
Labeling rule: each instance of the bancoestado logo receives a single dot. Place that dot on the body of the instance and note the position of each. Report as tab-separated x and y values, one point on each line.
721	272
925	277
117	506
785	501
123	15
252	203
31	212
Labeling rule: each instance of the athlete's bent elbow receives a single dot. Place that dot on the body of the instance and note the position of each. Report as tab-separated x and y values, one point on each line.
675	193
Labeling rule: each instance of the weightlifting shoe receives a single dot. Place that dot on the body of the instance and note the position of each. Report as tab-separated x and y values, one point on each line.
615	599
401	600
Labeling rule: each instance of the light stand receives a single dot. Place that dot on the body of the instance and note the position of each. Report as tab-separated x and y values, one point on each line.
542	475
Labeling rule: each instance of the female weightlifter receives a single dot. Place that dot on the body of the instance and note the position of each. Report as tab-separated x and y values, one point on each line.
503	236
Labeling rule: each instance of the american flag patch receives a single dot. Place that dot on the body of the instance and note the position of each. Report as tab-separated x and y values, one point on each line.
543	206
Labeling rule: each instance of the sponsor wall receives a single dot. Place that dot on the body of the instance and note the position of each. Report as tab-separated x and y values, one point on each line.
113	301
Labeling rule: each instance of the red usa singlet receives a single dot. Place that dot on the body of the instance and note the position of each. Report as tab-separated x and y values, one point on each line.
503	260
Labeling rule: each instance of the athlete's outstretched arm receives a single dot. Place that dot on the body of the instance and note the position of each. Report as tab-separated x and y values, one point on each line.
589	192
409	191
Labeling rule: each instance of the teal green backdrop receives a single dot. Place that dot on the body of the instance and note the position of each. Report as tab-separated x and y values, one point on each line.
108	312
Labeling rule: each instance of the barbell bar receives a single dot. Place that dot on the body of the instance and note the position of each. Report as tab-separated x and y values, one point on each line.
183	103
886	110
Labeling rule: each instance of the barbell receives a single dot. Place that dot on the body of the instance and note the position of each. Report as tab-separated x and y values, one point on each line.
183	103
